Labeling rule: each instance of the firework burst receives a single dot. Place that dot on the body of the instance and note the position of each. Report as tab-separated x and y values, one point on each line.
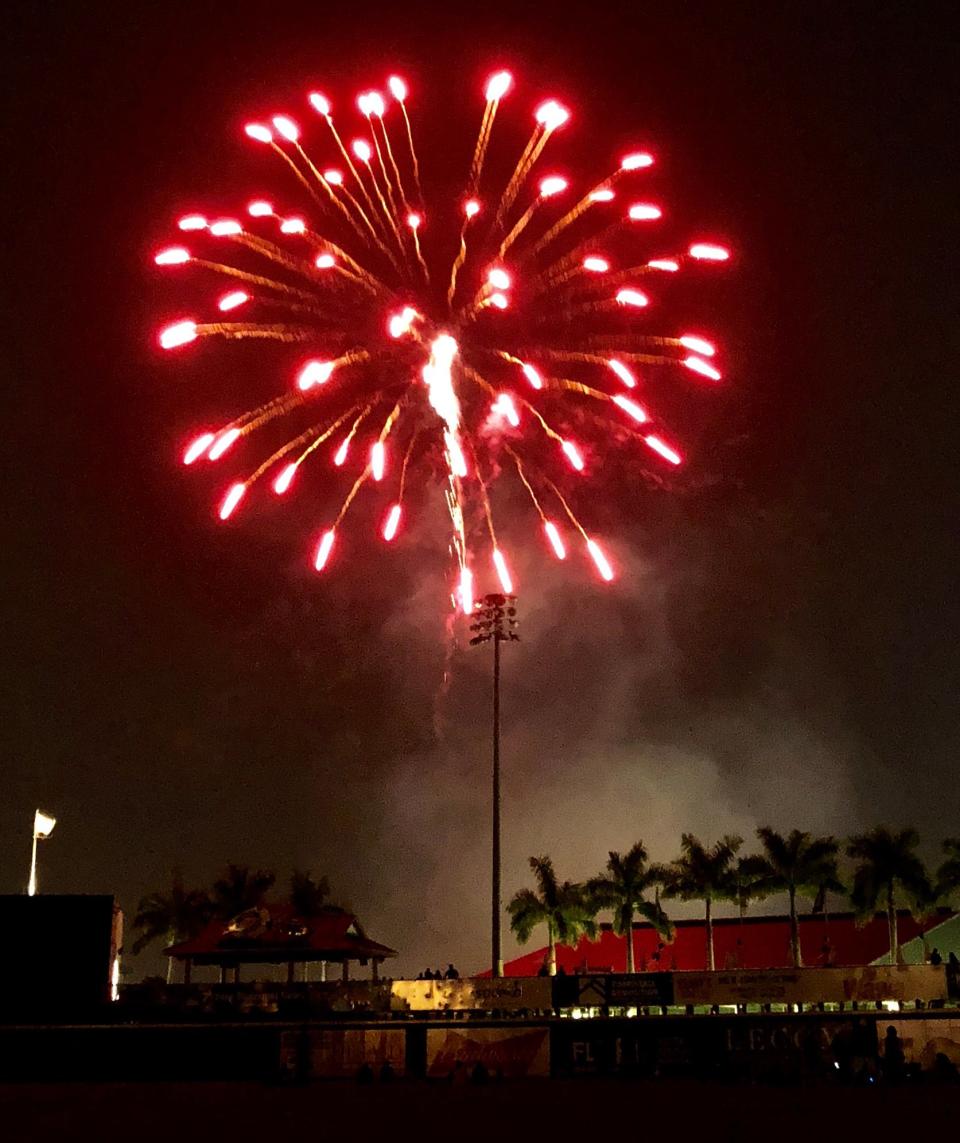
455	345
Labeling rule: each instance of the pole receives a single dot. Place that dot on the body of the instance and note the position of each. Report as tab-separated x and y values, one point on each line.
32	883
497	952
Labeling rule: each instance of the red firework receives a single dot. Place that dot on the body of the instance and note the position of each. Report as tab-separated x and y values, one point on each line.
467	368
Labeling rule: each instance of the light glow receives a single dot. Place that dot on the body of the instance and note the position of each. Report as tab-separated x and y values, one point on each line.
231	500
499	279
503	574
285	478
325	262
596	265
623	373
505	407
498	85
314	373
319	103
232	300
172	256
398	89
556	542
604	194
631	408
192	222
222	443
631	297
286	127
324	548
414	220
644	212
340	455
293	226
466	591
471	207
260	208
378	460
663	449
180	333
603	565
361	148
400	323
392	522
704	368
333	177
198	447
668	264
500	301
707	252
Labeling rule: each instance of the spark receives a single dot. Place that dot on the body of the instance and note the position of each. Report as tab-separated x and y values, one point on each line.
192	222
232	300
172	256
623	373
320	103
505	407
259	132
552	185
663	449
223	442
556	542
259	208
573	455
340	455
398	89
285	478
392	522
378	460
596	265
631	408
635	161
503	574
471	208
293	226
644	212
324	548
325	261
668	264
499	279
180	333
361	148
498	85
551	115
198	447
499	301
631	297
533	376
697	344
333	177
286	127
466	590
224	227
231	500
698	365
604	194
315	373
709	253
603	565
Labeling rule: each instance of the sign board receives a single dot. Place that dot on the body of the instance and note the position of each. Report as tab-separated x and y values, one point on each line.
486	994
812	985
509	1052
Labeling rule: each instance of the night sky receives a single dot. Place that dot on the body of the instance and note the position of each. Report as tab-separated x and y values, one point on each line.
782	646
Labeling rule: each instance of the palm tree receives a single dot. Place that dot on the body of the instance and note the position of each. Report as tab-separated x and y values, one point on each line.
307	896
887	862
948	875
797	863
622	890
240	888
707	875
171	916
564	909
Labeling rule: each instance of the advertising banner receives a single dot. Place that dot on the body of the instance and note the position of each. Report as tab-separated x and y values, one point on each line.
487	994
812	985
922	1039
507	1052
339	1053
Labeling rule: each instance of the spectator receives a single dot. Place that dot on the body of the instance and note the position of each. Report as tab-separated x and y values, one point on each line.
894	1061
944	1069
935	957
451	973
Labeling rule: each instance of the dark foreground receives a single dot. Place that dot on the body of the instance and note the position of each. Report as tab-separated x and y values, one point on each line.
557	1109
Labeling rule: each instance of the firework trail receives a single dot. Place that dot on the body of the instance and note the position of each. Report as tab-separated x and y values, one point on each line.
465	342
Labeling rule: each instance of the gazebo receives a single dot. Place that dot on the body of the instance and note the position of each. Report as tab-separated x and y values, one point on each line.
277	934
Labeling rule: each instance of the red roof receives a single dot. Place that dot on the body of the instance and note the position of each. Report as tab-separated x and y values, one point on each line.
764	942
276	933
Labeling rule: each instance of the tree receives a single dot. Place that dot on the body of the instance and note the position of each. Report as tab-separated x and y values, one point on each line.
887	863
622	889
798	863
307	896
564	908
948	875
707	875
240	888
171	916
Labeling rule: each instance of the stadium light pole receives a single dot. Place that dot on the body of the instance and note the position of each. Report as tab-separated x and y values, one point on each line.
495	619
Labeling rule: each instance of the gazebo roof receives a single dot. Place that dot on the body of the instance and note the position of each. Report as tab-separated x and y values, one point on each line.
276	933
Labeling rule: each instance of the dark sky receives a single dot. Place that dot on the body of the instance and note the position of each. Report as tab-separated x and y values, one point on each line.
782	646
